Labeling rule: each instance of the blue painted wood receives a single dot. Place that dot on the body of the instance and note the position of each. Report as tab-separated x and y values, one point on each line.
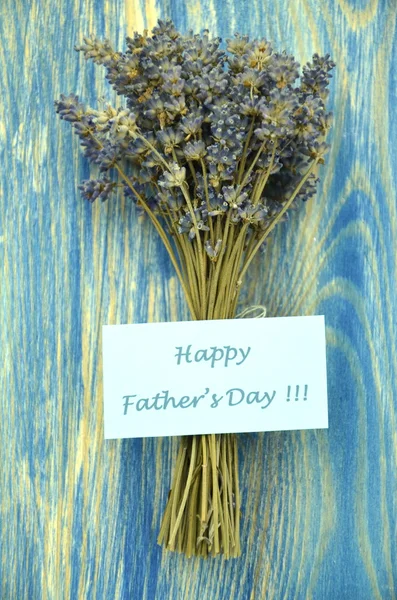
79	517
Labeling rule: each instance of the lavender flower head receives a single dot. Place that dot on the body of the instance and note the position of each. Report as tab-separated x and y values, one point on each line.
235	128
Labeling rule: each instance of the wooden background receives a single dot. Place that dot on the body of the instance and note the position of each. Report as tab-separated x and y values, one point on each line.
79	517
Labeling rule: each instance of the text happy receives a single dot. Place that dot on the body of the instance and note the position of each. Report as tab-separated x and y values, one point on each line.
215	355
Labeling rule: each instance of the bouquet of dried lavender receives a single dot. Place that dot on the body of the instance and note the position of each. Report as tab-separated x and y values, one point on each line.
214	146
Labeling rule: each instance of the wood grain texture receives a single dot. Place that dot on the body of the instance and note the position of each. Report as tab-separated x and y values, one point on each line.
79	517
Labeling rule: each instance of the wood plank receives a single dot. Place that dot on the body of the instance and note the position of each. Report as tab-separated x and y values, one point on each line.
79	517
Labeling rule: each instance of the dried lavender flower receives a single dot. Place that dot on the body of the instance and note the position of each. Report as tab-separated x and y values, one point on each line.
100	189
214	144
213	251
175	178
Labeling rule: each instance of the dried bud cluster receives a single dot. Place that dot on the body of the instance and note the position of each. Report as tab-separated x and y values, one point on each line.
216	121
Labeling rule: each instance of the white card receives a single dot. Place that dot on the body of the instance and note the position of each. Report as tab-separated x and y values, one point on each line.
194	377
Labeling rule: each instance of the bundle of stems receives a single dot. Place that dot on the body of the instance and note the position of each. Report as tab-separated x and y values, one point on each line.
215	147
202	516
211	265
